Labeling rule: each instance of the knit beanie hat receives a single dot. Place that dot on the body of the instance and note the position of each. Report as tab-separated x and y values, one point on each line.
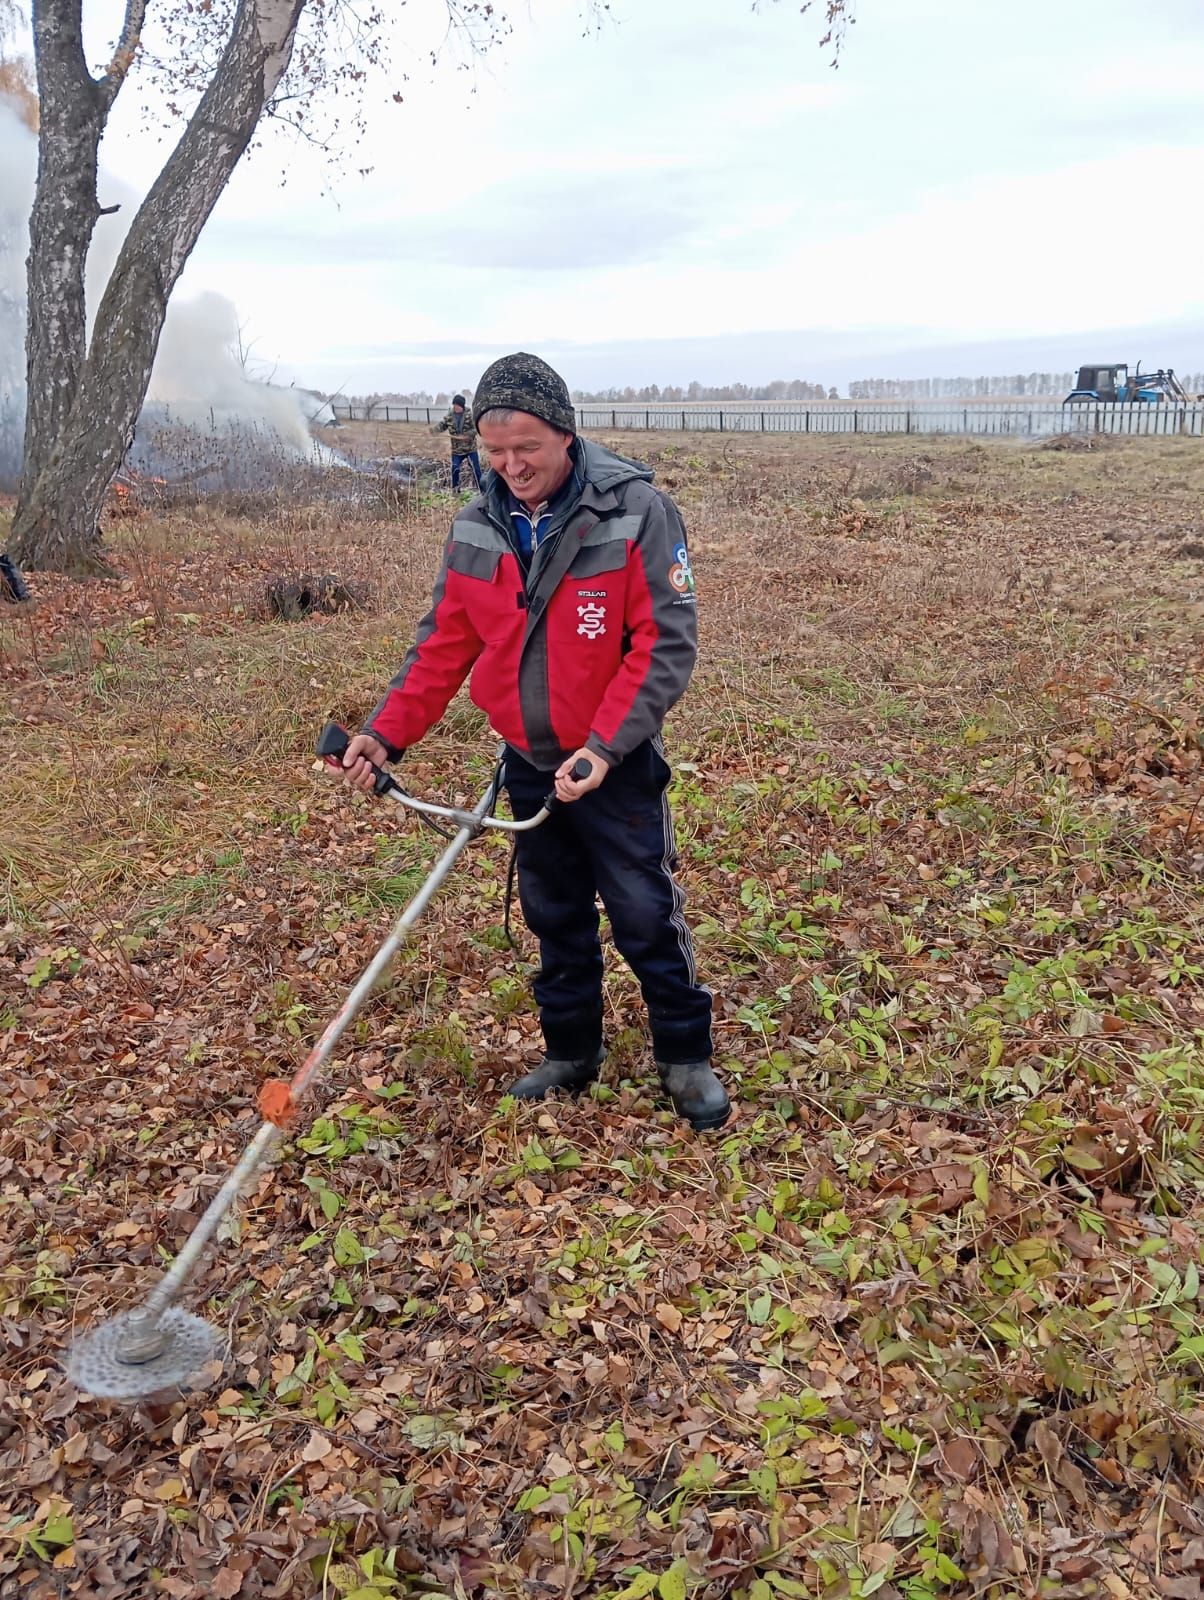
457	399
523	382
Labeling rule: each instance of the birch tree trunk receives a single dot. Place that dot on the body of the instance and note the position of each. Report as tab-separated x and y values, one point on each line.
65	209
78	449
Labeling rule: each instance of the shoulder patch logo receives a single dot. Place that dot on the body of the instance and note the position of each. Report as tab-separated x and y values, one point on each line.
593	620
681	575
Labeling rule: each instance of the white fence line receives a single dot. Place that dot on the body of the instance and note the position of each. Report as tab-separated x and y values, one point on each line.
1007	418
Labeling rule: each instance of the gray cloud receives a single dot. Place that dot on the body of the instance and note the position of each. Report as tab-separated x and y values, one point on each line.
563	222
1157	121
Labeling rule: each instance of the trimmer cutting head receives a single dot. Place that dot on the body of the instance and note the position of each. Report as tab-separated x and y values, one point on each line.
134	1356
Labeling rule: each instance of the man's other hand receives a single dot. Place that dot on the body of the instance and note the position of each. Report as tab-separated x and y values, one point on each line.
361	755
569	788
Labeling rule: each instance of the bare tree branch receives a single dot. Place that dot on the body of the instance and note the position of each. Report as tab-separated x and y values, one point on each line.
839	16
118	68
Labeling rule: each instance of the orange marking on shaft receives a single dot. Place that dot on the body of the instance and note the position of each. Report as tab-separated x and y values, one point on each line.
276	1103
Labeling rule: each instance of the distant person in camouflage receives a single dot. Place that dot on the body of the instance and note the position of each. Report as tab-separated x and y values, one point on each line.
458	425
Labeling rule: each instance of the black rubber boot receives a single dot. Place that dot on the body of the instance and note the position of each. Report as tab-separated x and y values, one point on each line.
573	1076
697	1094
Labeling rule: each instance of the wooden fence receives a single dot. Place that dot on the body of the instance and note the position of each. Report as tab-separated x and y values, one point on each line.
849	416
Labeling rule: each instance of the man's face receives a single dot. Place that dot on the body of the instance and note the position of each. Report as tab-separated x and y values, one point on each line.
529	454
459	410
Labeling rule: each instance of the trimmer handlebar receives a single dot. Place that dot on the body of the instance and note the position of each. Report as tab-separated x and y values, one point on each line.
332	747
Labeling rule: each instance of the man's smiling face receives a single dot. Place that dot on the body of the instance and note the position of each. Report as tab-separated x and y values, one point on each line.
529	454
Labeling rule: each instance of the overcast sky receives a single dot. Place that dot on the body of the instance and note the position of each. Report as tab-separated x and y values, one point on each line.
975	171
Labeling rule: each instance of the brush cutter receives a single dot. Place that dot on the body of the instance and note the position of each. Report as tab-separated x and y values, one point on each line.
158	1346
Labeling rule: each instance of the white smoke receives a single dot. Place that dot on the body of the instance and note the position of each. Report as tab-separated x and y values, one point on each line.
199	380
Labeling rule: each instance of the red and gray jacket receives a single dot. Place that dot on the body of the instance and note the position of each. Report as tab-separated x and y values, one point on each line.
591	647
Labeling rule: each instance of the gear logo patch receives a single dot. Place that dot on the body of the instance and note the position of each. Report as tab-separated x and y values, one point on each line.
681	575
593	620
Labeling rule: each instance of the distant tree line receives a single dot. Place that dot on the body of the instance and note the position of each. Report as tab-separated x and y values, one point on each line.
1044	385
1039	385
652	393
418	397
1052	385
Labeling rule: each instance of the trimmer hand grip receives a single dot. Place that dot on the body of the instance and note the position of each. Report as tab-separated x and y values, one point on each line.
581	771
332	747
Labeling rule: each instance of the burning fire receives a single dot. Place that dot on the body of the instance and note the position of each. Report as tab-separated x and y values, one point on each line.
134	491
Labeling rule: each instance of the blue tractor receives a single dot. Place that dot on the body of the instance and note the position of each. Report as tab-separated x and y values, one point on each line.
1110	383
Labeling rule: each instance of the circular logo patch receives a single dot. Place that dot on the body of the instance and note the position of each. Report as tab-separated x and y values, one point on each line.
680	574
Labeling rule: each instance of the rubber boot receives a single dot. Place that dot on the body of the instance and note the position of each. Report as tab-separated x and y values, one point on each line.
696	1092
573	1076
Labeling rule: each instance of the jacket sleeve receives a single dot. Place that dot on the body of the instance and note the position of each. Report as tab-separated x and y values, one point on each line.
437	664
661	621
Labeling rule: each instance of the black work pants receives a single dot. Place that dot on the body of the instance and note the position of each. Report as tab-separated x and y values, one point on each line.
615	843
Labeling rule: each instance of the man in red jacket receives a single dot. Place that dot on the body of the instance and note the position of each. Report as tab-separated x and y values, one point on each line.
566	591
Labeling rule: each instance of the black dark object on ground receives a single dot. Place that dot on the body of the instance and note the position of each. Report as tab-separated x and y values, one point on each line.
12	583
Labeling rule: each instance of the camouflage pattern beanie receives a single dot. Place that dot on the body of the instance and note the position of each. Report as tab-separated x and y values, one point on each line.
523	382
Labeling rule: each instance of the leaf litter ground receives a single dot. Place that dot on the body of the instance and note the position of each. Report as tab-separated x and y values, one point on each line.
922	1321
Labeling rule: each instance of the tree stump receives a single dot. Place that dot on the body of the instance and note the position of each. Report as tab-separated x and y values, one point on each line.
295	597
